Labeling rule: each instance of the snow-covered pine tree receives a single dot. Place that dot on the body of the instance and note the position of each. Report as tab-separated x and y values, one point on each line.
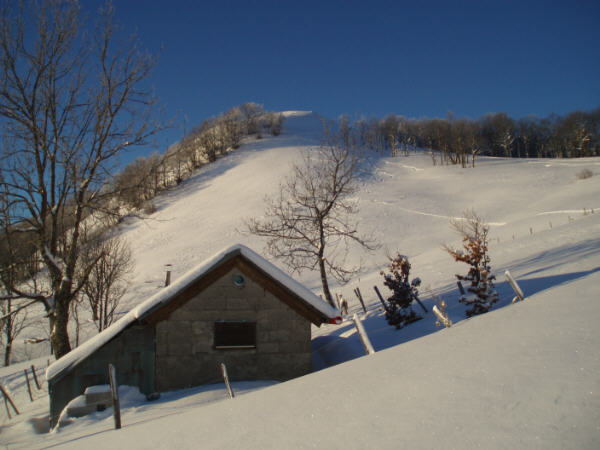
399	310
481	293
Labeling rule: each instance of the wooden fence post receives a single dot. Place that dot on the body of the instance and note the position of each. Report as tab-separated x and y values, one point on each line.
28	385
386	307
226	379
7	400
114	393
380	298
363	335
515	286
168	275
442	317
460	288
35	378
421	304
360	299
343	305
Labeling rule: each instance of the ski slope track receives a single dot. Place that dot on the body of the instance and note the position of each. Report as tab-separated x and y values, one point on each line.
525	375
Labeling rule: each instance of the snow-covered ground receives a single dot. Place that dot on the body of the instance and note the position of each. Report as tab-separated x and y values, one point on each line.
524	375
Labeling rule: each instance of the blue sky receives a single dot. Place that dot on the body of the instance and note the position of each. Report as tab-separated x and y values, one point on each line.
418	59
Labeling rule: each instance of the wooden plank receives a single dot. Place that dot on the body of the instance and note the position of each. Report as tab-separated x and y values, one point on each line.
28	385
7	398
226	380
114	393
337	301
515	286
419	302
35	378
343	305
366	342
360	299
442	317
380	298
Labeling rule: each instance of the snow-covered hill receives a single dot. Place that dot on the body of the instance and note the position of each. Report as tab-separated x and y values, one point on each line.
524	375
406	204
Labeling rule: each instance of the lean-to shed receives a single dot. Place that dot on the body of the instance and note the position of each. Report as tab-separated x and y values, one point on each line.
235	308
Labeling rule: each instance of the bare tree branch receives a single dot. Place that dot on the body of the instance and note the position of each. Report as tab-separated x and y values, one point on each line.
71	103
313	213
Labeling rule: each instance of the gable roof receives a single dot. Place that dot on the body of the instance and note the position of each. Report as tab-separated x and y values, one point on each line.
300	298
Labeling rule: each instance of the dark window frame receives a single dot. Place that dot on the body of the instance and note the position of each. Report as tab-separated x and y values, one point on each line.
234	335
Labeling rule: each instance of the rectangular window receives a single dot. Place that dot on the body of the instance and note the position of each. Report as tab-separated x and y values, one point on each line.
235	335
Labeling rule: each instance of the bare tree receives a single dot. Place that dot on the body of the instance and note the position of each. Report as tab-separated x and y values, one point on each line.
498	130
251	112
76	321
233	127
137	182
309	224
473	141
106	283
13	318
71	102
391	127
273	122
345	130
210	139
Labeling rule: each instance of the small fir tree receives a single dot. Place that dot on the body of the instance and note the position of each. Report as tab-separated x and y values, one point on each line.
399	310
482	294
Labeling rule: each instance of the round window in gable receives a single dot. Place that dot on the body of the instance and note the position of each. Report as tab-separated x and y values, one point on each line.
238	280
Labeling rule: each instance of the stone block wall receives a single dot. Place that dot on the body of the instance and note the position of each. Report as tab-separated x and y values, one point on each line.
132	354
185	355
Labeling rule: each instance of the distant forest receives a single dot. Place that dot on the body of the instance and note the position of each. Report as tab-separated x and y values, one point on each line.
459	140
449	140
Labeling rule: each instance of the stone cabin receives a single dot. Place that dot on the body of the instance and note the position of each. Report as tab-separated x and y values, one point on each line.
235	308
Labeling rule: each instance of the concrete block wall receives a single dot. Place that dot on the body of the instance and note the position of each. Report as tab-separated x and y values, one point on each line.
184	344
132	354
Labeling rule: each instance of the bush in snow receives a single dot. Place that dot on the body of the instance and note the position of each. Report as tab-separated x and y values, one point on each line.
399	310
481	293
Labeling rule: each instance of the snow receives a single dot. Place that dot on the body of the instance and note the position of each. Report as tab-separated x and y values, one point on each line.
77	355
287	281
568	211
524	375
415	396
98	389
530	380
57	264
276	273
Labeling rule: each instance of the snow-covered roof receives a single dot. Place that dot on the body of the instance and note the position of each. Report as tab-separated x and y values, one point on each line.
163	297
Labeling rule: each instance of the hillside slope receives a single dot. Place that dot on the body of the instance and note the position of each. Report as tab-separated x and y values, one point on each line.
405	203
523	375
